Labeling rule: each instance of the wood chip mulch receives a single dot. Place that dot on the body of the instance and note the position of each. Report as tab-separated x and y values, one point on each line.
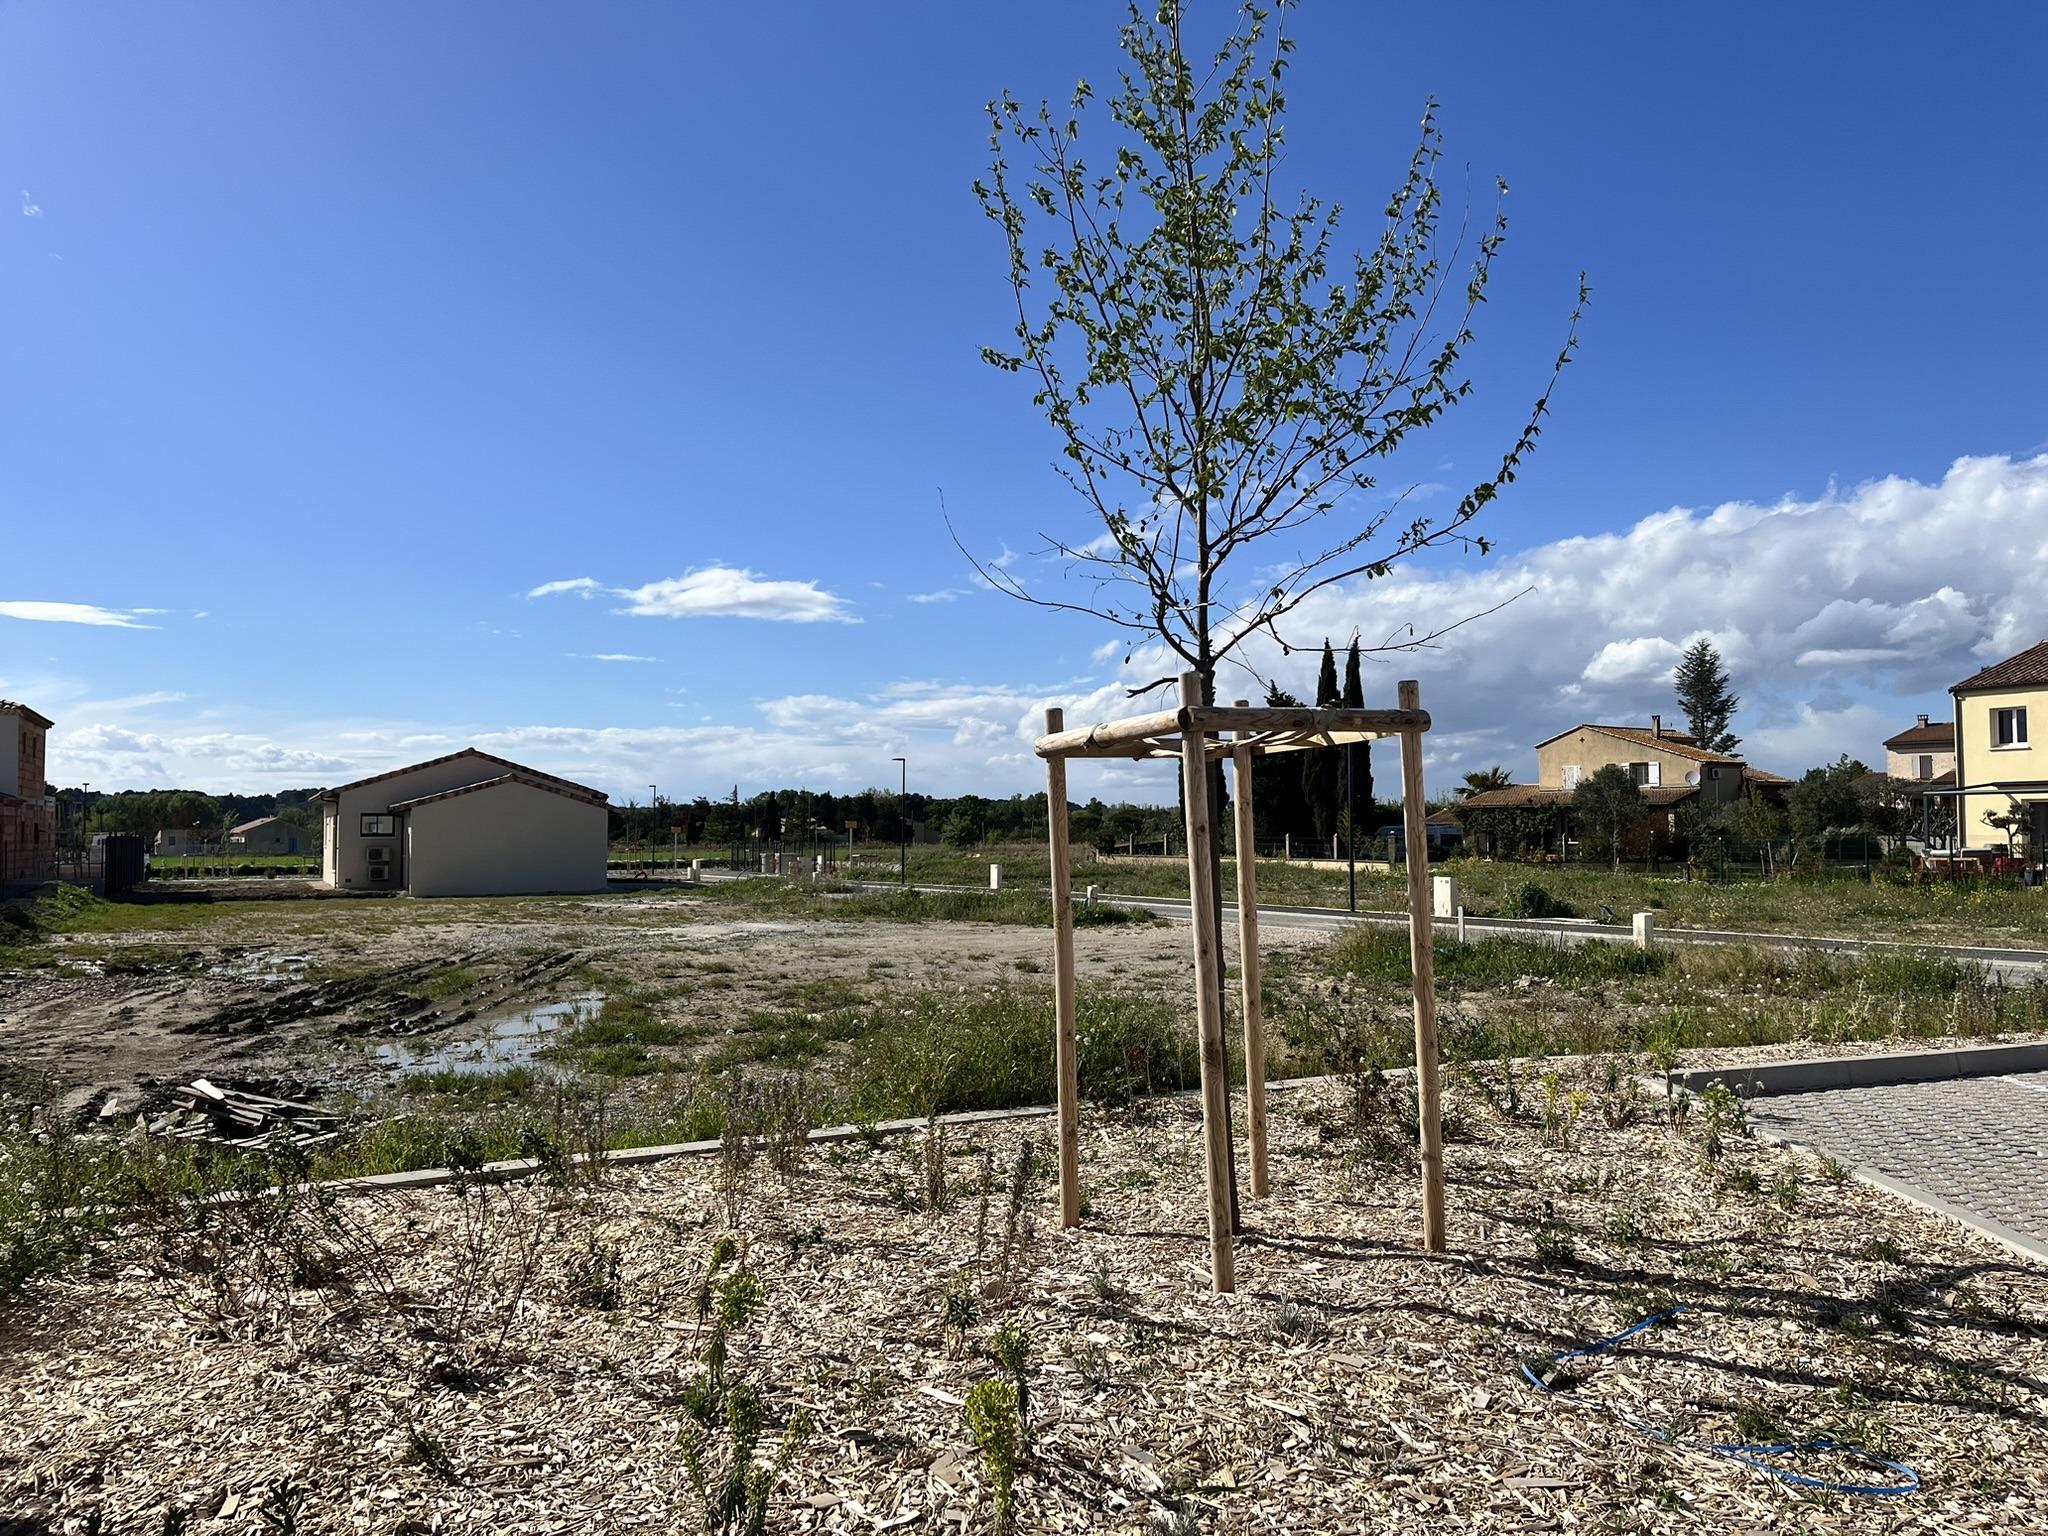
517	1360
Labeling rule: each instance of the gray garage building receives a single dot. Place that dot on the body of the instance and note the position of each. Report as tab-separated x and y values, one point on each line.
469	824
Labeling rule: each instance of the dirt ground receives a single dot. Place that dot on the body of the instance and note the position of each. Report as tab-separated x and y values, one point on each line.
318	994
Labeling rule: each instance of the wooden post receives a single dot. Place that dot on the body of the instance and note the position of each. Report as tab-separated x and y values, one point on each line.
1422	962
1065	1065
1248	971
1194	780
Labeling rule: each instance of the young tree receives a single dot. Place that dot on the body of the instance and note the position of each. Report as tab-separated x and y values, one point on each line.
1224	383
1608	804
1485	779
1705	697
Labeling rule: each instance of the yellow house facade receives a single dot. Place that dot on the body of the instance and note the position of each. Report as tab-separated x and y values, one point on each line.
2002	748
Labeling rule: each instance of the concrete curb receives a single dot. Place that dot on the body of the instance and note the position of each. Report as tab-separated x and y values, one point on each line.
2026	1247
510	1169
1819	1074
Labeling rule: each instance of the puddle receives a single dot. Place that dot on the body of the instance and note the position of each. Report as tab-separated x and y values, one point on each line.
262	968
513	1040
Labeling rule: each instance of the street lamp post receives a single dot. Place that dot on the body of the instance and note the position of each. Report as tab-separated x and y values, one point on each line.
903	822
653	824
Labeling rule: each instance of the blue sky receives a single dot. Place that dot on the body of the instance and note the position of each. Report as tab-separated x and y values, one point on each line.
329	333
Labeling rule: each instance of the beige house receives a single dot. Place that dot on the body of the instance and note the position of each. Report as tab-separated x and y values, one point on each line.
176	842
1922	754
2000	766
468	824
270	834
1657	758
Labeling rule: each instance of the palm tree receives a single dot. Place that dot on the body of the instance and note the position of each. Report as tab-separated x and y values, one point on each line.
1479	783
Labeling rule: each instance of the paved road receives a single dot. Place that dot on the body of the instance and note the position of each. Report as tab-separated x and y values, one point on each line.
1979	1144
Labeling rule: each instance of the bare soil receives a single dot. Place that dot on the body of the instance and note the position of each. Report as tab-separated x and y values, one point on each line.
303	992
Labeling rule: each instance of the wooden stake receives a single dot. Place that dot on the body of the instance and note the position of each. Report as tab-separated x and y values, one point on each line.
1194	779
1248	973
1422	962
1065	1063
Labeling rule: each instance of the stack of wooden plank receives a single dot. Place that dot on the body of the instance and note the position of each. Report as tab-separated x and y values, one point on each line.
235	1117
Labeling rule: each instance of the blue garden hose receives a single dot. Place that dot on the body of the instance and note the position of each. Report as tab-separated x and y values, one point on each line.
1745	1454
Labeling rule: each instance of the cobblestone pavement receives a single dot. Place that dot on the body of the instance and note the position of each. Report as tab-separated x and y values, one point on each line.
1980	1143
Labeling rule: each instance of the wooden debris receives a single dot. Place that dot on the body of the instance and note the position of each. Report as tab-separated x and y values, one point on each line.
236	1117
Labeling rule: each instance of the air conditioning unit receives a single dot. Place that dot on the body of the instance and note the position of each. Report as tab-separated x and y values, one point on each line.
380	855
380	871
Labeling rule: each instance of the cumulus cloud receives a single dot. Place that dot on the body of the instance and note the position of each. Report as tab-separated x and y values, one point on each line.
729	592
716	591
1839	616
73	613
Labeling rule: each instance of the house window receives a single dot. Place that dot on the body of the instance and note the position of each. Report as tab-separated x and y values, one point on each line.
1924	768
2009	727
379	826
1644	773
1572	774
1713	770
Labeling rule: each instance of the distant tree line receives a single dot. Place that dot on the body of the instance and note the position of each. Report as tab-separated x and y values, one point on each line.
149	811
802	816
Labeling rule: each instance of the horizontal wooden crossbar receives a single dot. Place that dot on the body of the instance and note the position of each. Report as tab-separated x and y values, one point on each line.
1270	730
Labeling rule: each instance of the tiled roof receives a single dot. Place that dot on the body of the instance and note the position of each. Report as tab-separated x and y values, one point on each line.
1677	743
1758	776
7	705
548	782
2028	669
1527	796
250	826
1939	735
434	762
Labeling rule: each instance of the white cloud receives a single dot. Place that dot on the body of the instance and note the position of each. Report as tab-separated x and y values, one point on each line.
725	591
1839	617
945	595
29	209
620	656
72	613
716	591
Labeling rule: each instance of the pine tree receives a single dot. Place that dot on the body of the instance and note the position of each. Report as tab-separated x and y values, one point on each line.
1322	769
1701	683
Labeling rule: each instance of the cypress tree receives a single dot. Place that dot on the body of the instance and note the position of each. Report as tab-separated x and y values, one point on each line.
1361	753
1322	769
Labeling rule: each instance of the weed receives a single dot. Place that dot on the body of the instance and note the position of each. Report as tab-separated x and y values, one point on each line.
1785	1189
1297	1324
1106	1286
1758	1425
1832	1171
1882	1250
423	1450
959	1311
1743	1181
283	1502
597	1279
1553	1238
1721	1115
997	1426
1623	1229
1561	1111
937	1193
1011	1348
